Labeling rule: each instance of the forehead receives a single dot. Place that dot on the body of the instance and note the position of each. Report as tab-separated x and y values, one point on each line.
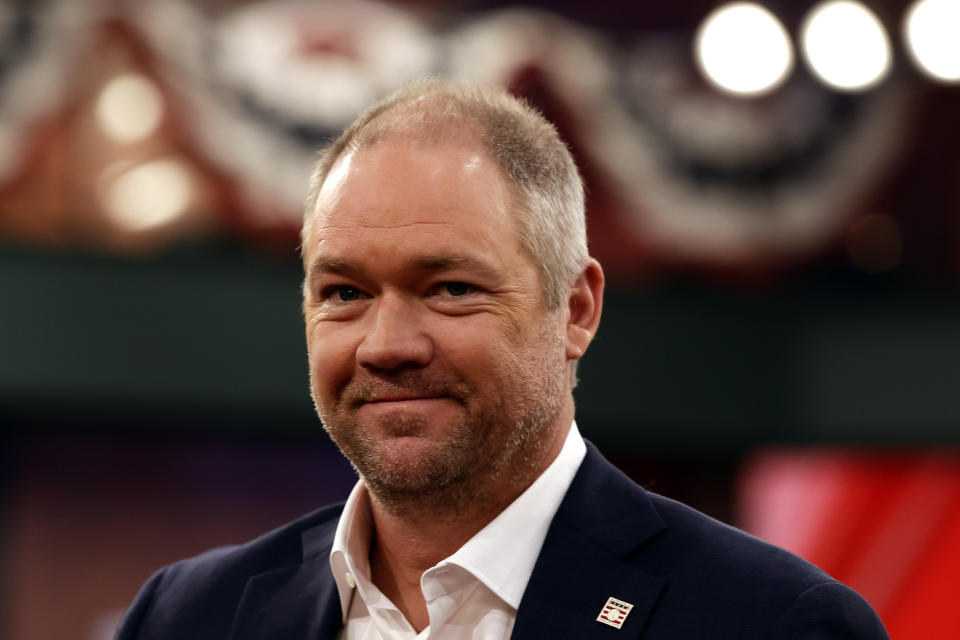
441	191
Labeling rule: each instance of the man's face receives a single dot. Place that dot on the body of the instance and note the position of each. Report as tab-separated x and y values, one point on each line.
434	361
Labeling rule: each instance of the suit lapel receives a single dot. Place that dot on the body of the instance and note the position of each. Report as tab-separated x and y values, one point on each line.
295	601
603	519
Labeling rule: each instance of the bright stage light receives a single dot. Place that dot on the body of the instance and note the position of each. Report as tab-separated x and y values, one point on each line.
846	46
931	29
129	107
743	49
149	195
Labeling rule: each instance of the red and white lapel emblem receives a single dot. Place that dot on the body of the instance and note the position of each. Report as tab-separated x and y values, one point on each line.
614	612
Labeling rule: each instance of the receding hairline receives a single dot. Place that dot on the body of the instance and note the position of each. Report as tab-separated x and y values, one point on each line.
398	120
459	141
389	128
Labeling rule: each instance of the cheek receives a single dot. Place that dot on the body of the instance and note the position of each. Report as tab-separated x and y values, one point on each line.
485	350
331	358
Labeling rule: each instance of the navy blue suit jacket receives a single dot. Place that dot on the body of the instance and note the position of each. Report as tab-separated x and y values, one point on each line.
686	575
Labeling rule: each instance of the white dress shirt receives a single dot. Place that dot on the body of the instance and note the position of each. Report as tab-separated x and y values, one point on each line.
472	594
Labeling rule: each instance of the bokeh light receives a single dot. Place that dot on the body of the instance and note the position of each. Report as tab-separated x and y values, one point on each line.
931	29
743	49
149	195
129	108
846	46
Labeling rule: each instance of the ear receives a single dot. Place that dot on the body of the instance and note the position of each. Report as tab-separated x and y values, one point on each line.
585	304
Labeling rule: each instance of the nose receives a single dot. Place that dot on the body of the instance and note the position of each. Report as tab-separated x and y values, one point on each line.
395	335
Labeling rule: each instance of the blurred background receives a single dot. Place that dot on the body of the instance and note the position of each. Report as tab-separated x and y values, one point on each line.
774	192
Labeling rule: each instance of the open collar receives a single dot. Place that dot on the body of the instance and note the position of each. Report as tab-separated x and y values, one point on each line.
501	555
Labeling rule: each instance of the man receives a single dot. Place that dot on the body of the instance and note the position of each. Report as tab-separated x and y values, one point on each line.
448	296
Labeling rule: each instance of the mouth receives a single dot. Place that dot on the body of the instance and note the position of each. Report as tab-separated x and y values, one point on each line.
402	399
399	397
373	392
405	405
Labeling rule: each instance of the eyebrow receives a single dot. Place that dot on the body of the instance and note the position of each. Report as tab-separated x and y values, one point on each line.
442	262
429	263
332	265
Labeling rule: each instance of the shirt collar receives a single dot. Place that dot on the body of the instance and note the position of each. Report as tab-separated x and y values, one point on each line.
501	555
349	556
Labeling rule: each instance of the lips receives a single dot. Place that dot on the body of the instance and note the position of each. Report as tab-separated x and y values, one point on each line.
400	398
411	386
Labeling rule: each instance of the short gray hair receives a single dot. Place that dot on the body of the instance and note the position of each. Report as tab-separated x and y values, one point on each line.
527	148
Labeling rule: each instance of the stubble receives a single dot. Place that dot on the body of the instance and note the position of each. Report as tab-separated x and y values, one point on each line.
496	448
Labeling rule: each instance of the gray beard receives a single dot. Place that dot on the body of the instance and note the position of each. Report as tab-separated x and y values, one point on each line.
462	474
495	450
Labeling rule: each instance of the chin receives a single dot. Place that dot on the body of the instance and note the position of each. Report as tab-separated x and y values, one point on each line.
413	469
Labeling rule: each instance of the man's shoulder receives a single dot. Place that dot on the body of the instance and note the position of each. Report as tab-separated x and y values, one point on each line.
683	538
276	548
747	585
712	579
709	547
202	592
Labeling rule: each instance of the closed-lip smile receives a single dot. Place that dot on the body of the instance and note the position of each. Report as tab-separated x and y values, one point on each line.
400	398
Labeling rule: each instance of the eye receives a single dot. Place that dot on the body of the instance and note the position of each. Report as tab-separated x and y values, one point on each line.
342	293
457	288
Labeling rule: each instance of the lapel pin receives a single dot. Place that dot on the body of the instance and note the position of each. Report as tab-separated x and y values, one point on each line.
614	612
